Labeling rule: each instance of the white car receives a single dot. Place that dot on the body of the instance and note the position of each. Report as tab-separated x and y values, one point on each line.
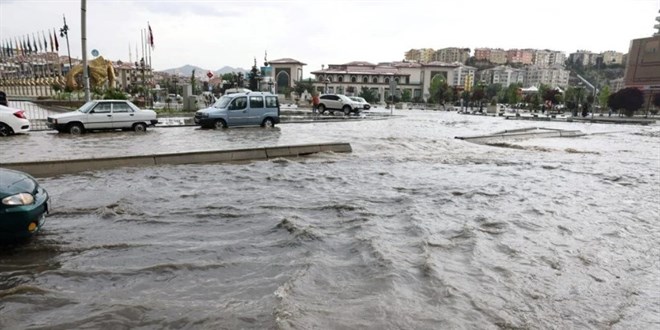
13	121
363	103
338	102
103	115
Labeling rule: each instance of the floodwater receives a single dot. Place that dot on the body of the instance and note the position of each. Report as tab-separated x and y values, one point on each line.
412	230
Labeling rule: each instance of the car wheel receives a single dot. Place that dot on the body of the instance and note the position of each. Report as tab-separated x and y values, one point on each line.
321	109
268	123
347	110
5	130
76	129
219	124
140	127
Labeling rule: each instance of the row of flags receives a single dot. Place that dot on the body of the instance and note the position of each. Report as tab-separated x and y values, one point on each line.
25	46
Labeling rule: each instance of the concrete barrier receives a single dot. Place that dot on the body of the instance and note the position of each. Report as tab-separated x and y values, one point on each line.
70	166
521	134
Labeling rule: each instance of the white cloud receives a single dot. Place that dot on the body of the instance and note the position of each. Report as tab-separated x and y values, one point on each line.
215	33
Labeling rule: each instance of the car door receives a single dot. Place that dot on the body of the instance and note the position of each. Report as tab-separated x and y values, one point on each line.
237	113
100	117
335	102
256	110
122	115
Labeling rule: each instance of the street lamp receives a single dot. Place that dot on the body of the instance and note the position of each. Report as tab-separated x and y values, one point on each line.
64	33
326	82
270	85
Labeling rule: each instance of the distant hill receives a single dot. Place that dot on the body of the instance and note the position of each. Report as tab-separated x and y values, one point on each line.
187	70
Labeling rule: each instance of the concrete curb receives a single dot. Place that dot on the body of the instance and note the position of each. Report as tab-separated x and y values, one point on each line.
59	167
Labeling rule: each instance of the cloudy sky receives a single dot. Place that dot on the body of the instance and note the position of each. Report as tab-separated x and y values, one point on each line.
215	33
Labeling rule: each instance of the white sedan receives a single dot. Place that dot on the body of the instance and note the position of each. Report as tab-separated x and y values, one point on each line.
13	121
103	115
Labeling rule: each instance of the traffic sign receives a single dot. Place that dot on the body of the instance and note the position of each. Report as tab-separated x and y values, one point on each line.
209	74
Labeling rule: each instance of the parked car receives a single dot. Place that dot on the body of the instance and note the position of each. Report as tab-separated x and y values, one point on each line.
13	121
241	109
23	205
363	103
103	115
338	102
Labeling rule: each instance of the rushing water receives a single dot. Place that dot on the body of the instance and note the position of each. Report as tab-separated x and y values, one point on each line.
413	230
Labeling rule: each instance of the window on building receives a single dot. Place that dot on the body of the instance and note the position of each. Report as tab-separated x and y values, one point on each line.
365	79
340	79
387	80
353	79
374	80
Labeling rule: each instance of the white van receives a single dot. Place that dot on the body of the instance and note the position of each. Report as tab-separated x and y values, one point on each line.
241	109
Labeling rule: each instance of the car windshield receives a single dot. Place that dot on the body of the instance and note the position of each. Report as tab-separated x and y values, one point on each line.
358	99
87	106
222	102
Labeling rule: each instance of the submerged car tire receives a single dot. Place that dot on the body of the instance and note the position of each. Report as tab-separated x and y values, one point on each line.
321	109
140	127
268	123
5	130
76	129
219	124
347	110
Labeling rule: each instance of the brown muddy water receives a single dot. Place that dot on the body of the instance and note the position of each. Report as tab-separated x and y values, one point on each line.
413	230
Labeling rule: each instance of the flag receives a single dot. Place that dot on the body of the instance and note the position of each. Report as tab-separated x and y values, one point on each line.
24	47
29	45
34	40
151	36
18	47
52	50
43	34
57	44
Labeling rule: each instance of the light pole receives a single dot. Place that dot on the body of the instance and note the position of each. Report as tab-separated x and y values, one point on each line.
64	33
326	82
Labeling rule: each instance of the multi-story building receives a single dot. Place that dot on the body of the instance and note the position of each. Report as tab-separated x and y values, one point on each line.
612	57
452	54
545	58
553	76
583	57
482	54
504	75
350	78
413	55
492	55
521	56
643	67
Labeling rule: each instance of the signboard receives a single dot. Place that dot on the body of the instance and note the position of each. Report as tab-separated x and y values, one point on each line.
209	74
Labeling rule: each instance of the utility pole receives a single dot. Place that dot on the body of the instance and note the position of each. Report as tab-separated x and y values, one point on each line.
83	33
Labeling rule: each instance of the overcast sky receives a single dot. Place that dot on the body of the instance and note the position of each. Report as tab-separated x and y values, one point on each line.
215	33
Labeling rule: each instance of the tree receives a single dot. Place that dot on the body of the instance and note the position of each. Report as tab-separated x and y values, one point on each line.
439	90
301	86
603	96
550	96
406	95
630	99
512	95
368	95
192	81
656	103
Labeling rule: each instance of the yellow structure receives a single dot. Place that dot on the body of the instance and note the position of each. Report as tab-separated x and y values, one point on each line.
100	71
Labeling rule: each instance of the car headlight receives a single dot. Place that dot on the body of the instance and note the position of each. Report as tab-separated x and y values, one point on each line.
18	199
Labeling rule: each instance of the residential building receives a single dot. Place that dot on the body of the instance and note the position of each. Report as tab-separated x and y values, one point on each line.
504	75
413	55
553	76
452	54
616	85
612	57
547	57
583	57
521	56
493	55
350	78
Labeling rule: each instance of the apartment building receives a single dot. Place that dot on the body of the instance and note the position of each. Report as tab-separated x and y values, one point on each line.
493	55
504	75
422	55
521	56
547	58
612	57
553	76
583	57
452	54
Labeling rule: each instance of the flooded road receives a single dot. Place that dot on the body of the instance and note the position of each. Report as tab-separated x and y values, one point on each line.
413	230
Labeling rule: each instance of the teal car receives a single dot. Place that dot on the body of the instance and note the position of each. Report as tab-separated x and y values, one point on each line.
23	205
